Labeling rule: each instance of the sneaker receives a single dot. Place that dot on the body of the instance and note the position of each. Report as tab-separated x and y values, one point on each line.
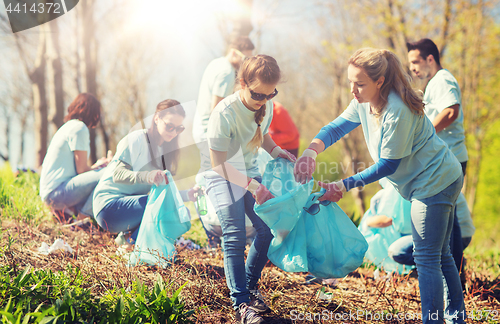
246	315
257	302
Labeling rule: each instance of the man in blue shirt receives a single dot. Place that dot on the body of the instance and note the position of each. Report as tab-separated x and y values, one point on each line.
443	106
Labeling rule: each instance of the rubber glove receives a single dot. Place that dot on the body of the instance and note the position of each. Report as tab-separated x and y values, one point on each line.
334	191
279	152
259	191
305	166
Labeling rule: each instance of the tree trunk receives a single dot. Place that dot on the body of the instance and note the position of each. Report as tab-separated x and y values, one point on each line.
37	77
5	156
55	76
446	27
475	120
89	61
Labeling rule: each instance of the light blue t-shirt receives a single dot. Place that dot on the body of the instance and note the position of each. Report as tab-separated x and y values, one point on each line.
442	92
134	150
218	80
59	163
427	165
231	127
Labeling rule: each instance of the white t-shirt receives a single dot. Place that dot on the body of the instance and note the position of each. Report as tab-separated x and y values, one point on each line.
59	163
442	92
427	165
218	80
231	127
134	150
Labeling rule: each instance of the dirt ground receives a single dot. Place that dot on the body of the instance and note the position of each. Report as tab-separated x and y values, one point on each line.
357	298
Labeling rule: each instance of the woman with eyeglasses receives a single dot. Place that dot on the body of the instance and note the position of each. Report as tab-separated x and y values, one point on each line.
141	157
404	145
237	128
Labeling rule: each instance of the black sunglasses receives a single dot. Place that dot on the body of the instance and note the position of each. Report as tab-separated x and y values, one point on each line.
260	96
314	208
170	127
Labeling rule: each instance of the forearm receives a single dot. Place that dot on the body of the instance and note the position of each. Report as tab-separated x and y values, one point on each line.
83	169
124	174
379	221
381	169
445	118
317	145
226	170
268	144
335	130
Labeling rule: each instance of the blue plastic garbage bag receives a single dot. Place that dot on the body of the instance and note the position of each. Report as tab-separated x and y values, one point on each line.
393	205
379	239
317	237
165	219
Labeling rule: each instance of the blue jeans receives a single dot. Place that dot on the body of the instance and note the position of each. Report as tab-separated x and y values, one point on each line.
75	191
432	222
401	250
123	215
231	202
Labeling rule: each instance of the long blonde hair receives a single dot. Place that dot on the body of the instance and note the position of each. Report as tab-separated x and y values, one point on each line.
265	69
383	63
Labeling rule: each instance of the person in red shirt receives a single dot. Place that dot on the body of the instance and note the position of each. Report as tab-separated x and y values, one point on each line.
283	130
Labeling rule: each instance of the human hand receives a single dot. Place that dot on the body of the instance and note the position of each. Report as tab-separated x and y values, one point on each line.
194	192
262	195
109	156
334	191
259	192
279	152
305	166
157	177
104	161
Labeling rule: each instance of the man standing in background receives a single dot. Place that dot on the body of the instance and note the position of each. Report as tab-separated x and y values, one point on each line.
443	106
218	82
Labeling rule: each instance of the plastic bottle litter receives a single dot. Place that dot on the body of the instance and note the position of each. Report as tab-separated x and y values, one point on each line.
326	296
201	201
58	244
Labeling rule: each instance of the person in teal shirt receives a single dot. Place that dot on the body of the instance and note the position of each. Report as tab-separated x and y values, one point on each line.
218	82
443	106
237	128
404	145
141	157
66	180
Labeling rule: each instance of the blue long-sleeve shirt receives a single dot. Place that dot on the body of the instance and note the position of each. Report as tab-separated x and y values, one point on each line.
337	129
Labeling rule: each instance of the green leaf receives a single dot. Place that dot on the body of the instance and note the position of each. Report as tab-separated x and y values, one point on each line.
9	316
178	291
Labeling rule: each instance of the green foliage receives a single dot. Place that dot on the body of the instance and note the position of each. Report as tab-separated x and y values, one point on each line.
41	296
19	197
152	306
485	212
196	233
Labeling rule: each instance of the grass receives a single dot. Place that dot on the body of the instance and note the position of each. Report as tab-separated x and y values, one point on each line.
19	197
93	285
